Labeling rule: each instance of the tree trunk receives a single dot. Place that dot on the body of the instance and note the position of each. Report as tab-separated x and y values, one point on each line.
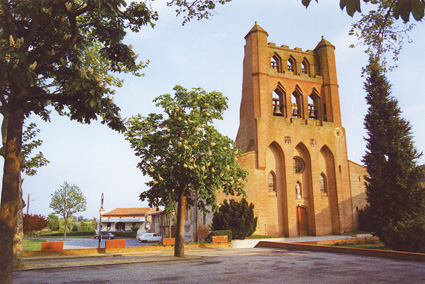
10	196
66	224
181	213
169	227
19	236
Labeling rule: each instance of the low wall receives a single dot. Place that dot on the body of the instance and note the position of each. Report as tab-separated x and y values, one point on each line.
219	239
114	244
346	250
95	251
52	246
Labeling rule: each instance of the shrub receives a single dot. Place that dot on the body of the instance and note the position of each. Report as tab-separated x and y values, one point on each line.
125	234
75	228
237	217
365	219
406	235
134	229
34	222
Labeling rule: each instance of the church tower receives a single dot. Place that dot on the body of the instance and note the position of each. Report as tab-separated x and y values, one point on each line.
292	139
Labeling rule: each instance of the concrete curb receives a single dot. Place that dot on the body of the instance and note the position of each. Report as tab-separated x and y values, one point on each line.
345	250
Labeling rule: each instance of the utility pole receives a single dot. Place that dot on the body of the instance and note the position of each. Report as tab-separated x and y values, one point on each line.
28	203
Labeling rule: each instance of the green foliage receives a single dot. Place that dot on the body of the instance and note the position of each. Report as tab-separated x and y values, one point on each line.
67	200
34	223
53	222
134	229
399	8
199	9
237	217
393	191
63	54
29	143
183	153
75	228
73	233
406	235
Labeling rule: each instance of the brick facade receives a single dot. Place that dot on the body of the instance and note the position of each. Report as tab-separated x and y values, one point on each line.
293	142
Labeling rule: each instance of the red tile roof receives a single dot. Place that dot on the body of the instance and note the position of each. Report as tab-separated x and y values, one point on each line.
129	212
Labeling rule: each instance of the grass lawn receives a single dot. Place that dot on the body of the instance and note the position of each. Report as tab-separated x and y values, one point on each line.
260	237
366	243
32	244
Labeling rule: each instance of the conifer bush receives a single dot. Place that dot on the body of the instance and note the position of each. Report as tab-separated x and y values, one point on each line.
237	217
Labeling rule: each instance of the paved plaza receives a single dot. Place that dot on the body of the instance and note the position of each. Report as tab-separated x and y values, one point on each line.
253	265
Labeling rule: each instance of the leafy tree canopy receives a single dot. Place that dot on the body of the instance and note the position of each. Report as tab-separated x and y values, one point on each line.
30	163
34	223
183	148
398	8
61	54
67	200
53	222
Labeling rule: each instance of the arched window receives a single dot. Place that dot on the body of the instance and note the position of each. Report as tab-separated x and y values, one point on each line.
272	182
298	190
323	183
275	63
291	65
296	105
299	165
313	106
278	106
305	68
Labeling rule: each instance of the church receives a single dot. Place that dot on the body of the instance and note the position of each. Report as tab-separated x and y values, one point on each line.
293	142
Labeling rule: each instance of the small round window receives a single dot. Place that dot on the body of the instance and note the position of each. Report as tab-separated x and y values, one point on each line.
299	165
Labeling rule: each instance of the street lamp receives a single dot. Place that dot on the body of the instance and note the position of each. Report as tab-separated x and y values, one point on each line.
101	210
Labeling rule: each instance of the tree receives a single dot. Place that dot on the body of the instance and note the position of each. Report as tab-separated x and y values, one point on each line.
186	158
396	8
29	165
67	200
237	217
199	9
53	222
393	190
34	223
46	49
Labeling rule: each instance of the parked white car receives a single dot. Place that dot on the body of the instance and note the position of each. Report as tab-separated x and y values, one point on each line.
150	237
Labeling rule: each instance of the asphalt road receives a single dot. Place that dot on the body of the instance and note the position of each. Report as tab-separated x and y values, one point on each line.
257	265
74	243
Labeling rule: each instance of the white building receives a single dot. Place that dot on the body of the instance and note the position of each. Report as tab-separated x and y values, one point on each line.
122	219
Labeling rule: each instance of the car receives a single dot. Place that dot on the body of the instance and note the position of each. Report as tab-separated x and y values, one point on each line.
108	236
150	237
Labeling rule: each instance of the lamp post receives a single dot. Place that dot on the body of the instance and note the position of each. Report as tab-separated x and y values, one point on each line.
101	210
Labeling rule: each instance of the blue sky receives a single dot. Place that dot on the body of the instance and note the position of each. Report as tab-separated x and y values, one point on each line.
209	54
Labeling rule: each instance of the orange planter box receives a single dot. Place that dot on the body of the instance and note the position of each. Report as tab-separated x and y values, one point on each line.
219	239
52	246
115	244
168	241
